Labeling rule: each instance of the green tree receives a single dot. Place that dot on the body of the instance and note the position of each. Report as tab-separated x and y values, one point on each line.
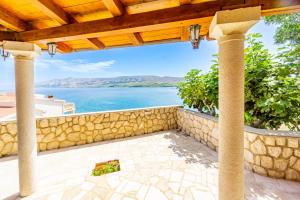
272	95
288	28
272	88
200	91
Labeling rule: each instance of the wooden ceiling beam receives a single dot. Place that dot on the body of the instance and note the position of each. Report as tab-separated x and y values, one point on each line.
96	43
52	10
4	35
12	22
57	13
115	7
136	39
63	47
16	24
184	33
125	23
152	6
159	19
183	2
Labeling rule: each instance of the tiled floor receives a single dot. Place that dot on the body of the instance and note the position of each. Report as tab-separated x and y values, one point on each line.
158	166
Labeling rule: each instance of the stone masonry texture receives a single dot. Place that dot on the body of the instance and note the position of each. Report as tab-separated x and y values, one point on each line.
72	130
270	153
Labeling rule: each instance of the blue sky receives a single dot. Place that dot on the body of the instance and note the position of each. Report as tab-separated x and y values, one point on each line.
174	59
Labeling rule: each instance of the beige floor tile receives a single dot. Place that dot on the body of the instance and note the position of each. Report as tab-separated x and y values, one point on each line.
164	165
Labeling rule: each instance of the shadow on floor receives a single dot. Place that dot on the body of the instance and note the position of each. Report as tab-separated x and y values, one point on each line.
15	196
193	152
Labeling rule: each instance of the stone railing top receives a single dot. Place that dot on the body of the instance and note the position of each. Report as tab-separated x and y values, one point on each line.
267	132
206	116
100	112
249	129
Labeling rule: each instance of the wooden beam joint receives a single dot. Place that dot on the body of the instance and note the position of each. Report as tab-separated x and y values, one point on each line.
115	7
136	39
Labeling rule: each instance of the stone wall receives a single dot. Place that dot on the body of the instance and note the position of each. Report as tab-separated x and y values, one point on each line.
71	130
270	153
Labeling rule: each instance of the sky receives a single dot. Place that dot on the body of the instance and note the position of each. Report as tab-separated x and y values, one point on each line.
174	59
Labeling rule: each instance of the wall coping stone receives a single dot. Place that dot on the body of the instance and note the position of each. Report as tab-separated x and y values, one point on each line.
265	132
197	113
98	112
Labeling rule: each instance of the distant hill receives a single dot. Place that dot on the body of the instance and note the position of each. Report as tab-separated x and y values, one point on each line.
121	81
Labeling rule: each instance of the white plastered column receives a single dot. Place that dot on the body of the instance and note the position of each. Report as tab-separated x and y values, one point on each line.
229	27
24	54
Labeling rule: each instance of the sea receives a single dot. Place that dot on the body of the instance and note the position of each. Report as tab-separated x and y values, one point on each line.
104	99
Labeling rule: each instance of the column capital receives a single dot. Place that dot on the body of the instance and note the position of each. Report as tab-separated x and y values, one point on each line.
237	21
22	49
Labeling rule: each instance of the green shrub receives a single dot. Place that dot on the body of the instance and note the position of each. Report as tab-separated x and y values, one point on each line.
272	87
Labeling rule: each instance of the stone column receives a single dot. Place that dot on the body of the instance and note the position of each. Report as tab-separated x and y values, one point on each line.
24	54
229	27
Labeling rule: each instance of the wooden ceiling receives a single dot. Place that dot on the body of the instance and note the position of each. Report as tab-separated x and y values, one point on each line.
99	24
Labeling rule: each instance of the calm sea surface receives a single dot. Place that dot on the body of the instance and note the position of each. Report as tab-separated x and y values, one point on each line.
103	99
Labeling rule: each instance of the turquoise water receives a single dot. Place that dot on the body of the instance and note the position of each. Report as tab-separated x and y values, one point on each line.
103	99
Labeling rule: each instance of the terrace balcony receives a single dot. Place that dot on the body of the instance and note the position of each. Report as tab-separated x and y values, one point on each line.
39	25
164	152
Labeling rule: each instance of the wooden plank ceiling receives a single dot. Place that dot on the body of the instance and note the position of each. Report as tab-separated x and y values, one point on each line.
99	24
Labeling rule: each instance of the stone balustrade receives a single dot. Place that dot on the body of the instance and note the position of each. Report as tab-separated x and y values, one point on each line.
77	129
270	153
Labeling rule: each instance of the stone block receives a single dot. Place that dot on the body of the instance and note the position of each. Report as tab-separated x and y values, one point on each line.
14	148
7	149
258	147
52	145
266	162
296	166
76	128
257	160
69	130
274	151
97	138
259	170
44	123
276	174
81	120
287	152
251	137
280	141
53	122
75	120
1	145
106	131
292	161
66	143
114	116
248	156
48	138
293	142
89	126
7	138
292	174
281	164
297	153
11	128
61	137
61	120
42	146
3	129
74	137
270	141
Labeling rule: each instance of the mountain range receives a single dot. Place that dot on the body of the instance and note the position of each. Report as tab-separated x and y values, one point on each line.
121	81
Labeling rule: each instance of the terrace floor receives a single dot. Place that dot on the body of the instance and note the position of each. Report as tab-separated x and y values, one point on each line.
164	165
